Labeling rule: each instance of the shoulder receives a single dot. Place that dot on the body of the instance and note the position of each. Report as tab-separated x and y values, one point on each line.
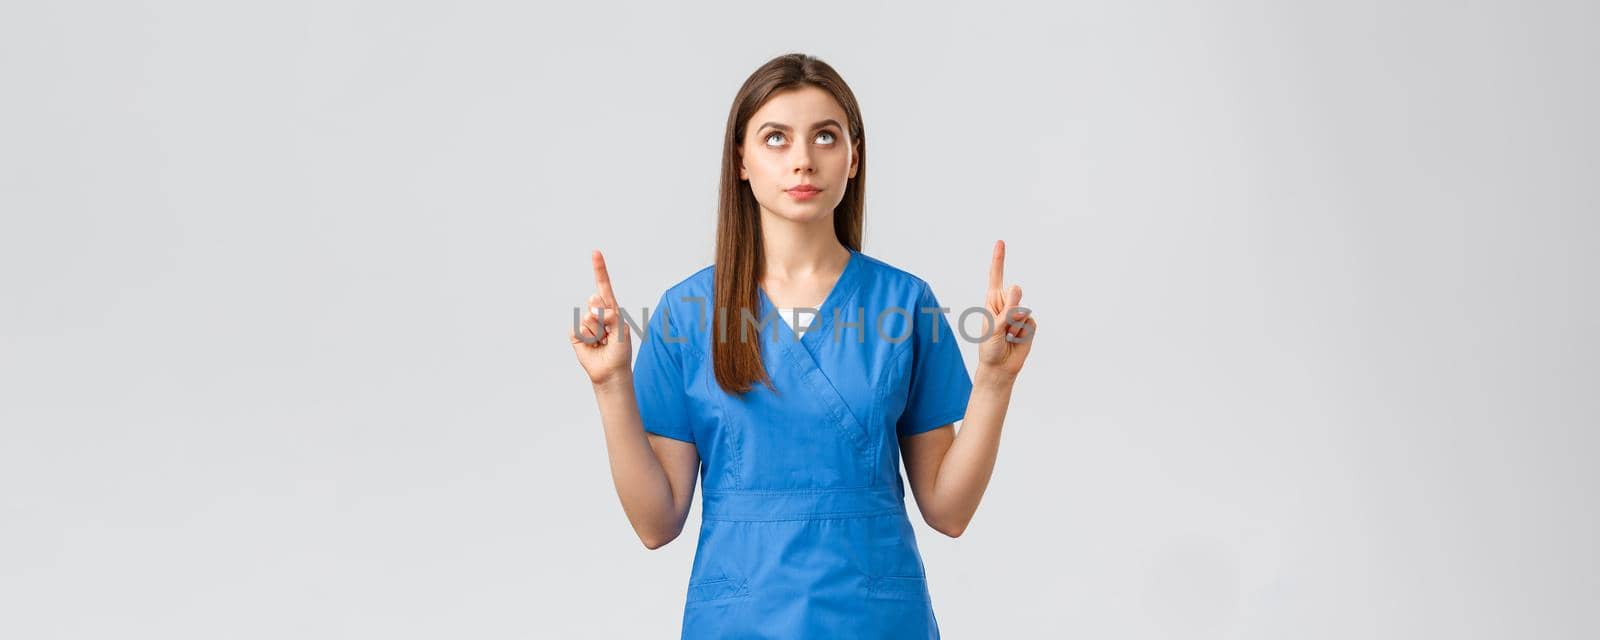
685	301
885	279
699	283
887	286
874	270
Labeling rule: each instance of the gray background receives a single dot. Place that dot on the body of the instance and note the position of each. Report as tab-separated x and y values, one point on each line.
284	291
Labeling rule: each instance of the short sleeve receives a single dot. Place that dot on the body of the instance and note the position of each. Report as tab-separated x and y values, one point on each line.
658	377
940	385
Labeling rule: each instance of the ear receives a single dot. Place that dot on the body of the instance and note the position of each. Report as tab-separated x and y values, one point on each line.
855	157
743	173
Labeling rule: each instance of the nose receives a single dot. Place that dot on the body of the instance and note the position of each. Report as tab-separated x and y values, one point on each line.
802	159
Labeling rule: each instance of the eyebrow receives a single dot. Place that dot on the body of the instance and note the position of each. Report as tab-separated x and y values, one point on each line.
784	127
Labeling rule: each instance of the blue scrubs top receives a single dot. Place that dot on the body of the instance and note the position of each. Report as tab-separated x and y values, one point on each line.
804	529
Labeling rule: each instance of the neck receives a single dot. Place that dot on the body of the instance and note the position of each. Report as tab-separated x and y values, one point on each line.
800	248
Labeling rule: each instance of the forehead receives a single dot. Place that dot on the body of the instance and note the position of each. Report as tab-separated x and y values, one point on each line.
799	107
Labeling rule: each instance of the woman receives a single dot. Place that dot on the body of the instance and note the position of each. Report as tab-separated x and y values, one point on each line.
804	530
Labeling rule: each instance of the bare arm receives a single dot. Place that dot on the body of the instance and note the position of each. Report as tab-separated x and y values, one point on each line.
654	475
949	471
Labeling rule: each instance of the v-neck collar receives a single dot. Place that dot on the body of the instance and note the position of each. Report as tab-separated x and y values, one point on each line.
823	321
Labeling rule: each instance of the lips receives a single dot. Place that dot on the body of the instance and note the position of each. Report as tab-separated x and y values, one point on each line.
803	191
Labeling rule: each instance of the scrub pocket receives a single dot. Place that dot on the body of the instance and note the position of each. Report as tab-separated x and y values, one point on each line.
895	565
914	588
718	576
716	590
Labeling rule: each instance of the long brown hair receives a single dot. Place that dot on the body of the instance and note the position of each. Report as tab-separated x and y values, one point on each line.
740	258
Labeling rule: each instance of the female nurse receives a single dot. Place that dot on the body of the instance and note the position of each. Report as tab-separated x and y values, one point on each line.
796	430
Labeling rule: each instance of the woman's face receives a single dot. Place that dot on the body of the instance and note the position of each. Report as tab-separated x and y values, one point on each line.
798	139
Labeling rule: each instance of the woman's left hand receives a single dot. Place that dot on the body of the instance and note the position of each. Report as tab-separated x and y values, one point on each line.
1011	335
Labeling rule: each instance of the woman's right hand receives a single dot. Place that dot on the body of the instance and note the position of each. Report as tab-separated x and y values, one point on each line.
603	348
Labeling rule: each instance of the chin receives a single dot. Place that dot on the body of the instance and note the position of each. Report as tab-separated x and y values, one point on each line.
797	212
805	214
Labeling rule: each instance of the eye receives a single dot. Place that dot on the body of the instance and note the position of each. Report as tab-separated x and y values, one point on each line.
823	137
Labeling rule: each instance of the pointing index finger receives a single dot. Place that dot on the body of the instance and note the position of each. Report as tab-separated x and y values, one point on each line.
997	266
602	279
